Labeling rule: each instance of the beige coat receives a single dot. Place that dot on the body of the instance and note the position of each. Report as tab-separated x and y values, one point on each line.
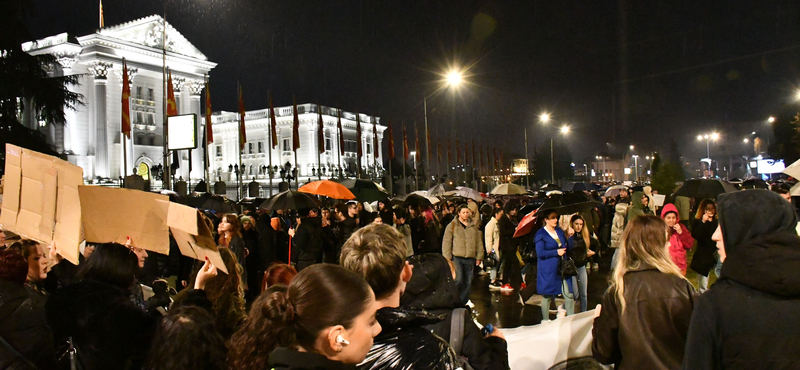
460	241
492	236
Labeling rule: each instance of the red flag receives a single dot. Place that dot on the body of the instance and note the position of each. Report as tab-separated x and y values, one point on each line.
209	132
375	140
358	135
172	107
295	127
341	135
391	139
273	122
102	23
416	143
320	131
126	96
242	135
405	142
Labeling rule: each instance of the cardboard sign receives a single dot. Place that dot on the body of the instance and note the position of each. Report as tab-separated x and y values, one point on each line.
658	200
192	234
40	200
111	215
556	341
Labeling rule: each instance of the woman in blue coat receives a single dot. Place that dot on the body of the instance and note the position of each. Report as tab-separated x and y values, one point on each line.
551	244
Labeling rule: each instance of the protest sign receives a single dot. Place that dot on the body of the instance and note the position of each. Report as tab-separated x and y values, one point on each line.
555	341
192	235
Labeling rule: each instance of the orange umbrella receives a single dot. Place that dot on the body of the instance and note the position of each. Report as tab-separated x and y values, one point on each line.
327	188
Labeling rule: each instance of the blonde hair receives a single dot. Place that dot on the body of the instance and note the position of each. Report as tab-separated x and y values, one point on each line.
584	230
644	243
377	252
704	205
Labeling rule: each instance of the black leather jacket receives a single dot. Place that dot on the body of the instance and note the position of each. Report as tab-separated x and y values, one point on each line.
651	332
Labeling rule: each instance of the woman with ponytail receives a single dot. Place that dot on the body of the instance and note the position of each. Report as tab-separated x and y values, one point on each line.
324	319
646	311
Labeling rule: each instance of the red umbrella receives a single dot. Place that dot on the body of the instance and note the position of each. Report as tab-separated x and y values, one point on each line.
525	226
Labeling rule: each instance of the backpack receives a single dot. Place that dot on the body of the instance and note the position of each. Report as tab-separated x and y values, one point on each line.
457	337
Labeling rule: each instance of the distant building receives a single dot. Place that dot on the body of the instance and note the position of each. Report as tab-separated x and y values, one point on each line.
256	154
91	137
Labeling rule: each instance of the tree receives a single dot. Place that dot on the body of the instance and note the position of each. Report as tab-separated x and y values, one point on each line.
664	179
24	78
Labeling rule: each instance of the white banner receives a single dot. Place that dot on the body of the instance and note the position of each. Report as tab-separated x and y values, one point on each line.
544	345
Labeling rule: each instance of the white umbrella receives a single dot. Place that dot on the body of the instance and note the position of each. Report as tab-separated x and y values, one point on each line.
793	170
613	191
509	188
463	191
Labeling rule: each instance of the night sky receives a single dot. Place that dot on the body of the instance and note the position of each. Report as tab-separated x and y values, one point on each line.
690	66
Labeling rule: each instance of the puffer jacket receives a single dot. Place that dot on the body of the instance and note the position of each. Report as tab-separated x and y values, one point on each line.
23	325
678	243
432	288
618	224
462	241
651	332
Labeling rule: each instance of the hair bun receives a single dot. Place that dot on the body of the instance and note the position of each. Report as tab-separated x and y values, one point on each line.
279	307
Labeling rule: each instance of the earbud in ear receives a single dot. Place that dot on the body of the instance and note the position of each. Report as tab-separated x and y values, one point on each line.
341	340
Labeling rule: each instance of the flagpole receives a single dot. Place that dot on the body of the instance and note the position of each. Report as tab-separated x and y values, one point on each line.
405	145
296	170
320	131
269	150
375	147
427	141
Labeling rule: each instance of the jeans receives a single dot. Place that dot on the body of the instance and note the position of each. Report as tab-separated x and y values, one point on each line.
579	286
569	300
464	269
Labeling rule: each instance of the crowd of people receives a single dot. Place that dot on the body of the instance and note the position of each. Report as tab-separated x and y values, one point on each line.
342	286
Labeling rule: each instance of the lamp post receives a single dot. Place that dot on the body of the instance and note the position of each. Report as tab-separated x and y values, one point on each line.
543	118
604	165
636	165
708	138
452	79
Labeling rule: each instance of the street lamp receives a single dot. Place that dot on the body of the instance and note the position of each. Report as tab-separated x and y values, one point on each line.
544	118
636	165
714	136
604	165
771	119
452	79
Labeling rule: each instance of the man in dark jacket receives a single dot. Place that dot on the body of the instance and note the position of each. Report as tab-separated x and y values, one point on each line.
508	247
307	240
377	252
432	288
749	318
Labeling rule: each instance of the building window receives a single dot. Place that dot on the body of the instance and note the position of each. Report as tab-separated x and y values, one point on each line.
139	139
139	119
150	120
250	148
350	146
369	148
328	141
139	92
261	147
287	146
150	95
219	151
151	140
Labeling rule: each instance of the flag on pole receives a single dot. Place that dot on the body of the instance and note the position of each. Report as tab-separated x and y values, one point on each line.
320	130
375	140
339	128
242	134
102	24
126	100
209	131
405	142
416	143
273	122
358	135
391	139
172	106
295	126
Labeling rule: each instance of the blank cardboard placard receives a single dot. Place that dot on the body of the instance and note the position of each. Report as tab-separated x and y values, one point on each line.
41	200
658	200
111	215
192	234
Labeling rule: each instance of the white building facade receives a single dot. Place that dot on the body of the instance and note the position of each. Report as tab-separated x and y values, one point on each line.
256	154
91	137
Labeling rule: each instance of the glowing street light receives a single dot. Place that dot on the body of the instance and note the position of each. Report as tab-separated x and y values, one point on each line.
631	147
746	140
454	78
565	129
771	119
544	117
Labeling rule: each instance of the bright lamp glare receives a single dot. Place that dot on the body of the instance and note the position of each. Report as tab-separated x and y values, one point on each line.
699	137
771	119
565	129
454	78
746	140
714	136
544	117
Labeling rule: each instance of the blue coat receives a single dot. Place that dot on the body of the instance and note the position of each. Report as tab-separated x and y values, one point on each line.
548	281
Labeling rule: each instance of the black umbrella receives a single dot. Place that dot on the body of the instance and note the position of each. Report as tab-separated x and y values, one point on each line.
215	203
251	201
290	199
569	202
549	187
754	184
581	186
365	190
413	199
705	188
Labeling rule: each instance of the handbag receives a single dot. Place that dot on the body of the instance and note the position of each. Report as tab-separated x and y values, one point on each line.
566	267
491	260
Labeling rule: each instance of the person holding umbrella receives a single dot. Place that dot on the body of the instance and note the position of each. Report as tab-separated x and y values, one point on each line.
703	227
551	245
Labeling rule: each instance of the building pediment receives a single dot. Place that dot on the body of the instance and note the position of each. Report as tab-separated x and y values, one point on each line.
148	31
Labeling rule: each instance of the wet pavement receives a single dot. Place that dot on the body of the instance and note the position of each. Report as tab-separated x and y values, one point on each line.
506	310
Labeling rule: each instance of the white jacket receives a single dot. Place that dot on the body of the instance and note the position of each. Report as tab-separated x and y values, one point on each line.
491	236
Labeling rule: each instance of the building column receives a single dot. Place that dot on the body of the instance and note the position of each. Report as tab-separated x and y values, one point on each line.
198	166
100	72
